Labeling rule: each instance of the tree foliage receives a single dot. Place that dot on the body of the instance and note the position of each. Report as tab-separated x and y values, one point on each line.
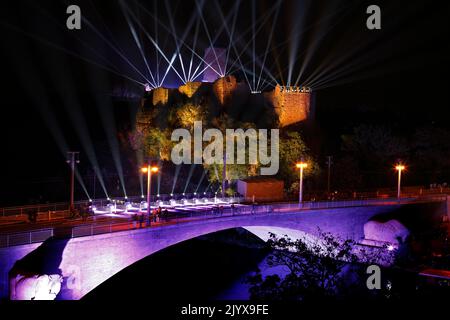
371	150
316	268
292	150
156	142
188	113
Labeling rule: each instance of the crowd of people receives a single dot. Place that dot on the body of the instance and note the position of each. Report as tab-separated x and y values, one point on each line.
156	215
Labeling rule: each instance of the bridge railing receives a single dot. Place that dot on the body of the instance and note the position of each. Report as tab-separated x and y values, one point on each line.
21	238
63	206
41	235
356	196
287	206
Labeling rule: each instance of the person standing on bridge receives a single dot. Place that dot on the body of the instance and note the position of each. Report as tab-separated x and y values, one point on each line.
159	213
149	219
141	220
135	219
253	207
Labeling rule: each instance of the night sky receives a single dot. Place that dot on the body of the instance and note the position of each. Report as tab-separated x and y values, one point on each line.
56	80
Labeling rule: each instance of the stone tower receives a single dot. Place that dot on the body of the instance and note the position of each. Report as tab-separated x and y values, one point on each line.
160	95
223	88
292	104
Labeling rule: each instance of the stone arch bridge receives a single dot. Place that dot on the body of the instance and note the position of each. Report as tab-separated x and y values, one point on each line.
86	262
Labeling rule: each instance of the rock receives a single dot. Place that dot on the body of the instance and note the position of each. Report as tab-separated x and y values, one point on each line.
36	287
392	232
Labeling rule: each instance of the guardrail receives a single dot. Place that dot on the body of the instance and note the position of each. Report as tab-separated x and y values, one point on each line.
34	236
7	240
63	206
352	196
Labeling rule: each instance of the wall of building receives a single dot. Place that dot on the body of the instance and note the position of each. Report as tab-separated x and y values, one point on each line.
267	190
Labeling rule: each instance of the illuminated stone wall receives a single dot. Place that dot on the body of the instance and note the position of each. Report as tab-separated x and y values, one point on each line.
291	106
223	88
160	95
190	88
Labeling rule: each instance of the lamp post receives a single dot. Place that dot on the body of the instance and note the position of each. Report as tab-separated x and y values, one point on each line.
399	167
148	170
72	160
301	166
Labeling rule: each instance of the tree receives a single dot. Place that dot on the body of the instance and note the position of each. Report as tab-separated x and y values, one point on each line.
374	144
157	144
372	150
292	150
317	267
188	113
430	147
229	171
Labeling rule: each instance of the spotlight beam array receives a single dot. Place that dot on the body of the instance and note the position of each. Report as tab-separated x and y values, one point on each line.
93	28
152	40
139	45
68	52
167	29
268	43
201	180
177	172
188	180
42	105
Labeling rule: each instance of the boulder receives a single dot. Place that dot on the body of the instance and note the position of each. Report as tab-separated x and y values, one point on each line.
392	232
36	287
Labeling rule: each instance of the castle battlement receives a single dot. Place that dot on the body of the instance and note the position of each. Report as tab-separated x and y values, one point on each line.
295	89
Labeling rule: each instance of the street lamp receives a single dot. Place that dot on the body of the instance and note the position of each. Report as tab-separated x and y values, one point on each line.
301	165
399	167
148	170
72	160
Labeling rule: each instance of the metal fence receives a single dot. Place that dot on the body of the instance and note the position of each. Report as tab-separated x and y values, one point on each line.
63	206
383	194
34	236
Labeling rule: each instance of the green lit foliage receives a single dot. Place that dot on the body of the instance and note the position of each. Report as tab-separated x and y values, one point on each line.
188	113
157	144
156	141
233	171
292	150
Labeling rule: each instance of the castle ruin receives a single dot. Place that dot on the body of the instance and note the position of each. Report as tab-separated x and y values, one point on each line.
291	104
